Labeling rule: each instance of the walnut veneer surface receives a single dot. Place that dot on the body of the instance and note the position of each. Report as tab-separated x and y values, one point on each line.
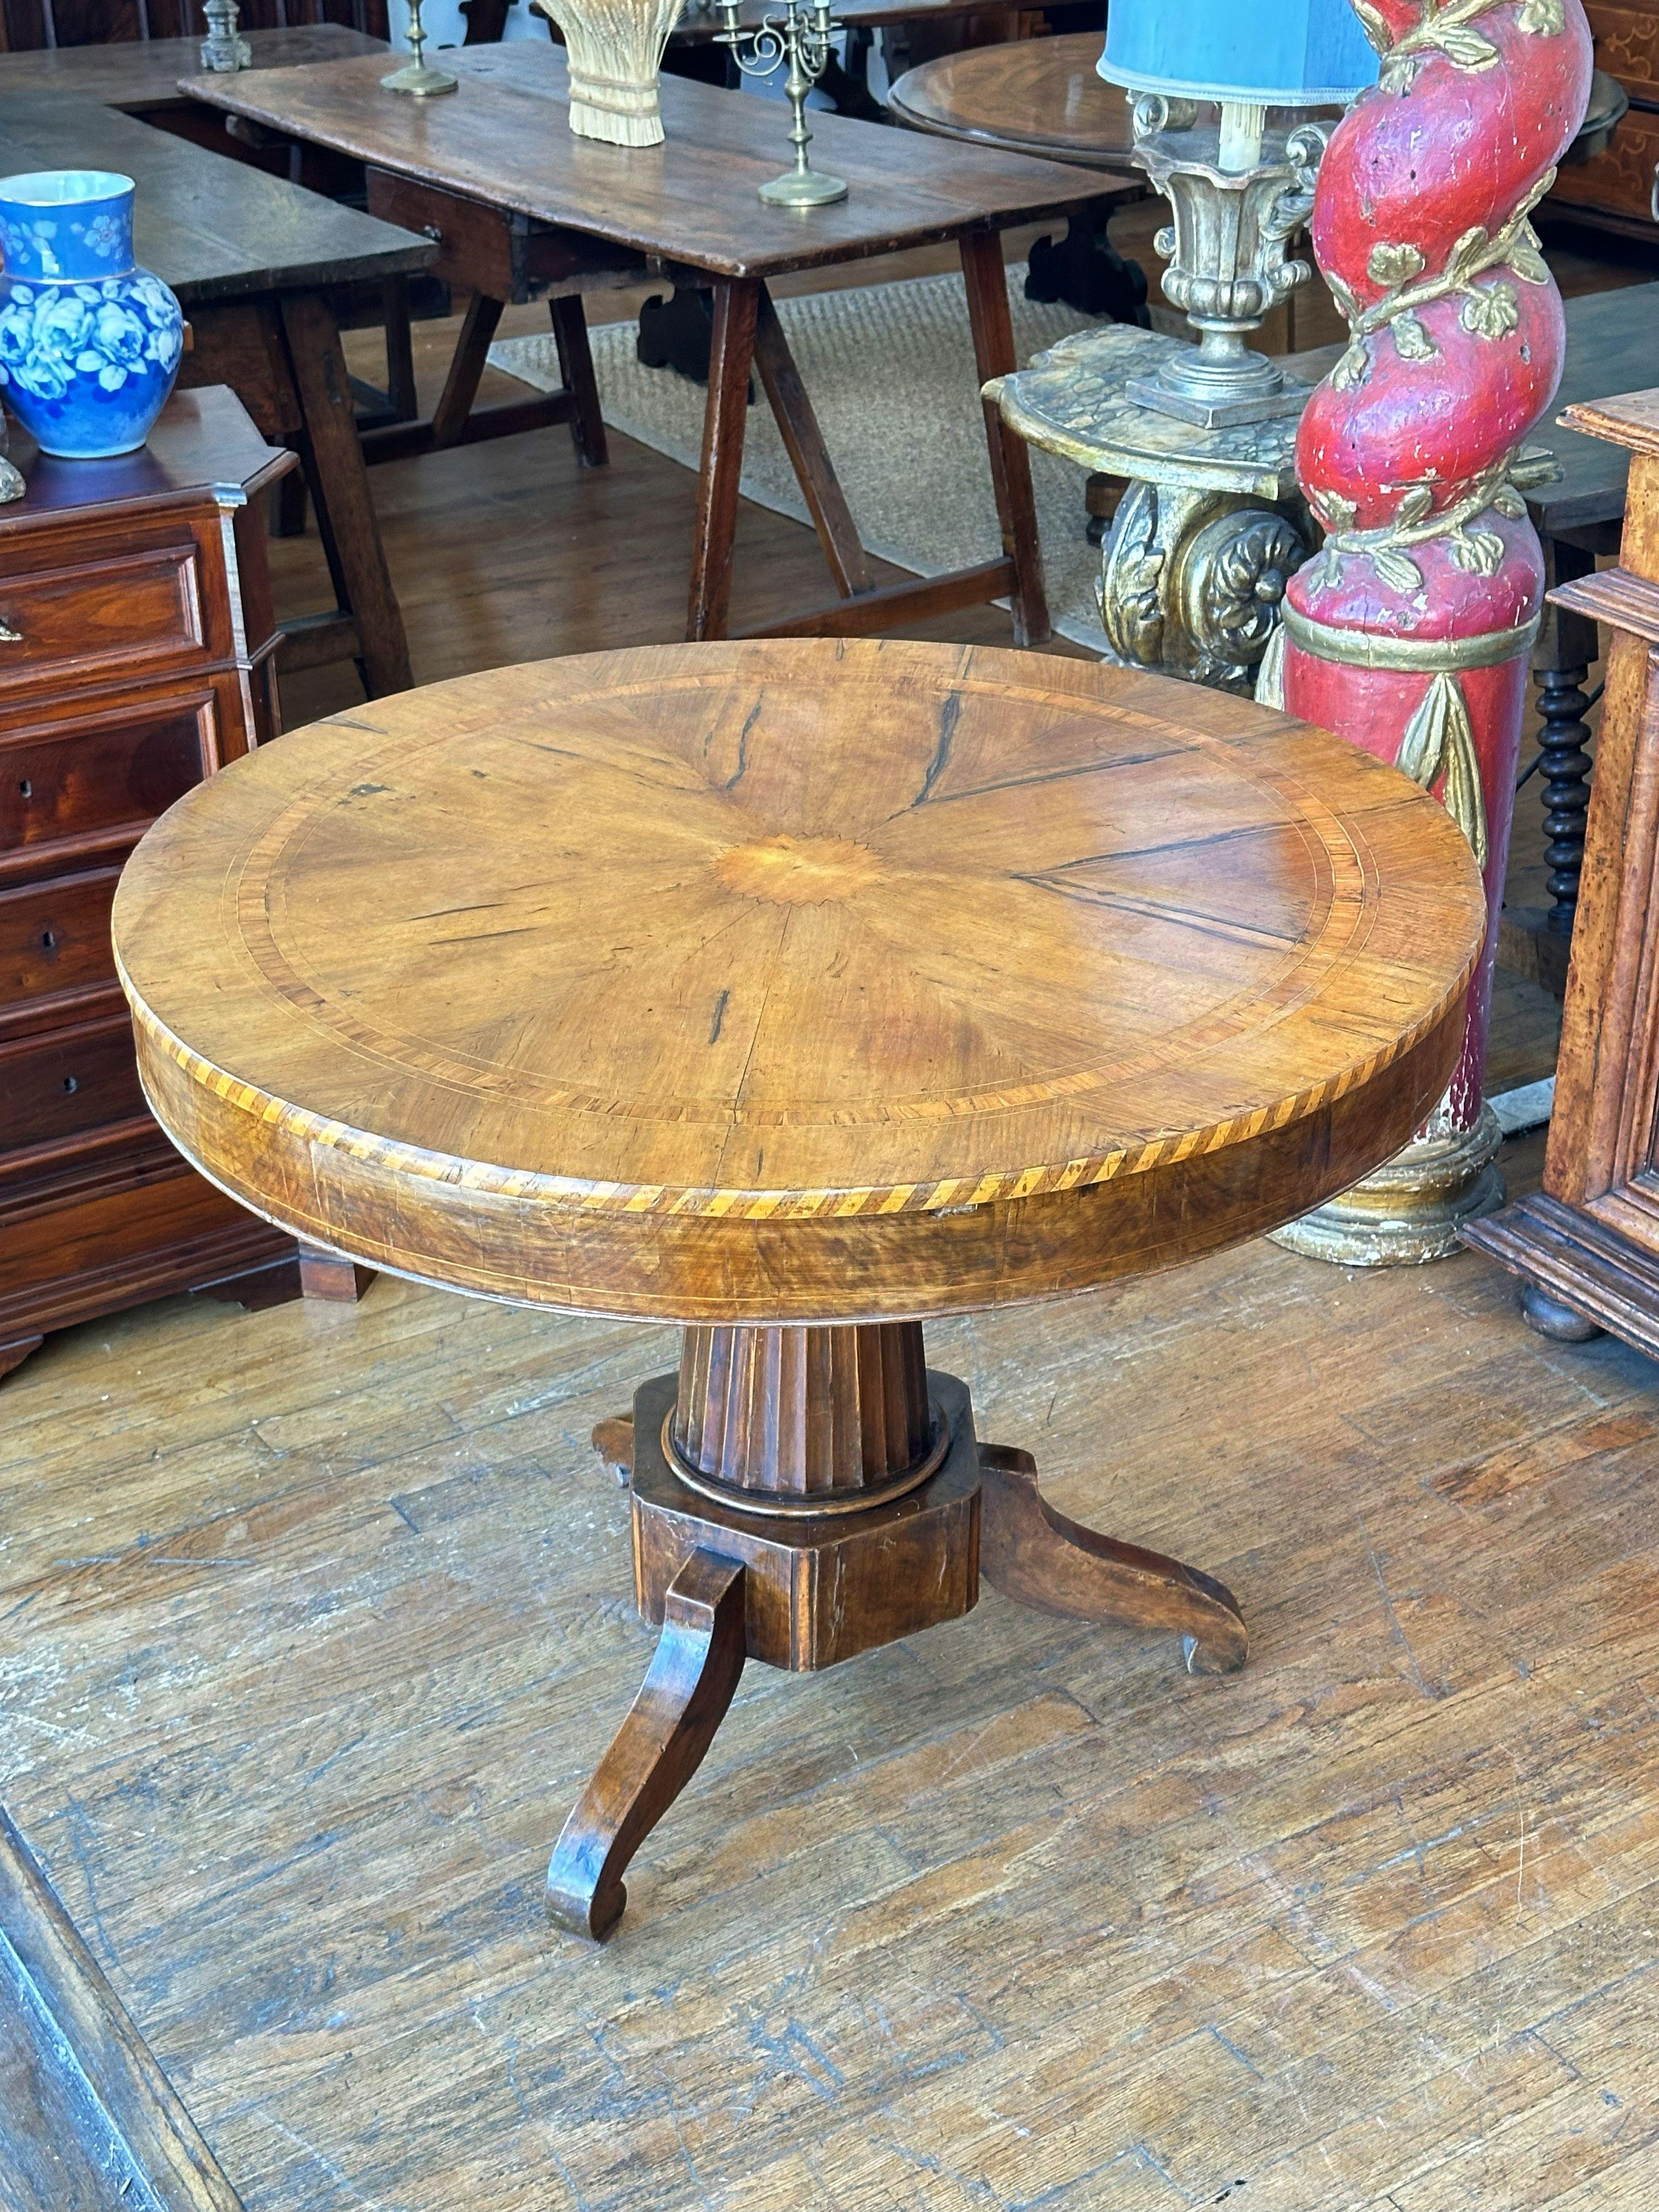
796	980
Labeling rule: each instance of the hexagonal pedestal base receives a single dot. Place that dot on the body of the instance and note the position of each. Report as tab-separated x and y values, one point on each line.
820	1589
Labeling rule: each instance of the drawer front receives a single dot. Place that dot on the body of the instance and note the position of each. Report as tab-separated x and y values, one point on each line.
54	938
67	778
1627	47
92	618
1619	180
482	246
79	1078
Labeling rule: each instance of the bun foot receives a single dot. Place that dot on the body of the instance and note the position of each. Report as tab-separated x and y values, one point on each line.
657	1749
1038	1558
1555	1318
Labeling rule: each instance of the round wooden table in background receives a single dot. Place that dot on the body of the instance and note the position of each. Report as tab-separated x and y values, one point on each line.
795	992
1033	95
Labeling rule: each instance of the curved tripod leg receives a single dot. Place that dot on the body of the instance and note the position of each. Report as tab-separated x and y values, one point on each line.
1039	1558
657	1749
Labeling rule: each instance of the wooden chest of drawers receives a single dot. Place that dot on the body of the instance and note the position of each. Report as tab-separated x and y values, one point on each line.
136	657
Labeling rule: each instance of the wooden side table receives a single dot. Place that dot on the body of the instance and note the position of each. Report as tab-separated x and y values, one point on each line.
136	647
796	992
1586	1246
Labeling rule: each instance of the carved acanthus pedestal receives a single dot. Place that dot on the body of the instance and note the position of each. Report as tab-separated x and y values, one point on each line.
1212	527
1410	633
1226	251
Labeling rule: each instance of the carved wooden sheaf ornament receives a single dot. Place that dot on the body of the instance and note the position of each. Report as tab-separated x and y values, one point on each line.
795	992
1410	633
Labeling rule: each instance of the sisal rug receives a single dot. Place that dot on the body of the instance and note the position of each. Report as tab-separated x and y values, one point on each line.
889	369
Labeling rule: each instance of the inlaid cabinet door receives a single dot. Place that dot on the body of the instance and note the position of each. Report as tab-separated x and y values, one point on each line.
1627	47
1619	180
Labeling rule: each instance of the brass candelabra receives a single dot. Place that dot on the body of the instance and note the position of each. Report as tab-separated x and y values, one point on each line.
800	37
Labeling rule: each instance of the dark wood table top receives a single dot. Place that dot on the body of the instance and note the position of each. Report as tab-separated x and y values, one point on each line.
502	139
212	228
1613	345
798	980
145	72
697	26
1038	95
201	439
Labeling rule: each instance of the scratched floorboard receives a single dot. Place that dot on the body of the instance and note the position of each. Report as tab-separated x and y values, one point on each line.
315	1619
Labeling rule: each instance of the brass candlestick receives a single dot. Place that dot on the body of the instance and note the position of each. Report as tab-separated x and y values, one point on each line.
417	75
801	36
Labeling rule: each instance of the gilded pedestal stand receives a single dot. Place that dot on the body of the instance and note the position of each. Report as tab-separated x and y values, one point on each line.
1411	633
1212	525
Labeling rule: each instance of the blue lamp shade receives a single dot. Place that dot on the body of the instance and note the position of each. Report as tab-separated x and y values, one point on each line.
1270	53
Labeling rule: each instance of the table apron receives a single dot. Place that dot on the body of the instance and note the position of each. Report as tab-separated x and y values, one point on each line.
493	250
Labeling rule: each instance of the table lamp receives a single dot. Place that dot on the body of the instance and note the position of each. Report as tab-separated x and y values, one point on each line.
1239	187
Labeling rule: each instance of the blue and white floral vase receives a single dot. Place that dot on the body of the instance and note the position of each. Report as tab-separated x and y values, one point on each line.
89	344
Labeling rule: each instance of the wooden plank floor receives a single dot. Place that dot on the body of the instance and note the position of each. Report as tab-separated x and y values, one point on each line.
312	1622
315	1620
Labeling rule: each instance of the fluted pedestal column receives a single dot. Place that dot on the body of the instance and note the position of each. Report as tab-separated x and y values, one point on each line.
805	1421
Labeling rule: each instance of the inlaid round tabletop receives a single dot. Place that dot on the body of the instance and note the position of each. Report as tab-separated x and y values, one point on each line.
795	981
1036	96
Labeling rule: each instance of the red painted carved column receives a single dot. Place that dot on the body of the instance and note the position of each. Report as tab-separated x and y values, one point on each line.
1409	634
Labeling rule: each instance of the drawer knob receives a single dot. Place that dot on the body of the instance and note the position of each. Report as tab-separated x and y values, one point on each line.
8	634
72	1083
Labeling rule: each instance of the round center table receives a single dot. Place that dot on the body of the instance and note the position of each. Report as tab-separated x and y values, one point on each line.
1036	95
795	992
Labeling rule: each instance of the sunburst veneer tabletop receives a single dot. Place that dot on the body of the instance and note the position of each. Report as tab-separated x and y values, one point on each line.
755	934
